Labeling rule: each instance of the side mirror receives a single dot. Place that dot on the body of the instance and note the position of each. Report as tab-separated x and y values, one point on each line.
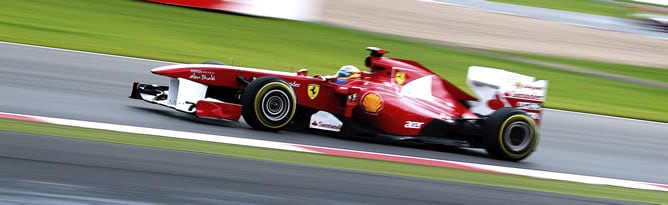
376	52
351	103
302	72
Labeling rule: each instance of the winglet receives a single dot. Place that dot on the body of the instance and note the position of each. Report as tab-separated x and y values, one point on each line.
377	52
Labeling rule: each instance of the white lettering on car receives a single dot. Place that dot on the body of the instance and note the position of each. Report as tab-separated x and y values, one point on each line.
295	84
528	106
202	75
528	96
326	126
413	125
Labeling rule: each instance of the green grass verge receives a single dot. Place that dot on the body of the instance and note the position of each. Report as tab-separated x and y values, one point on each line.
137	28
641	72
582	6
429	172
642	3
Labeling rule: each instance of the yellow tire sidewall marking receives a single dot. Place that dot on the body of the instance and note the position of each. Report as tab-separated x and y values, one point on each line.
534	135
258	101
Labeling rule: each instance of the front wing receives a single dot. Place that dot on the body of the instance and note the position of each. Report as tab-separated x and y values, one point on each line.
186	96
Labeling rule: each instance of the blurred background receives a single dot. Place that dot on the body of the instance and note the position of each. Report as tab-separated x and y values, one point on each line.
606	57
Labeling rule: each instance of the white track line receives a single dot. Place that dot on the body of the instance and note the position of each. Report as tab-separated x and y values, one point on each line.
607	116
86	52
342	152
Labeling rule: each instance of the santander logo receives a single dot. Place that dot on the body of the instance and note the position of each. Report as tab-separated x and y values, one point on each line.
325	125
496	103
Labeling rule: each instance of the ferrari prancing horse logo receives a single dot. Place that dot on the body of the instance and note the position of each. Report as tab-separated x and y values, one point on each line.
313	90
400	78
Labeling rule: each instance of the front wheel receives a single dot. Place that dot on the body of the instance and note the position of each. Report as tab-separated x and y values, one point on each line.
510	134
268	103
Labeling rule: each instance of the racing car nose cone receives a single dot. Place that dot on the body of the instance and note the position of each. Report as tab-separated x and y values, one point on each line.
169	70
160	70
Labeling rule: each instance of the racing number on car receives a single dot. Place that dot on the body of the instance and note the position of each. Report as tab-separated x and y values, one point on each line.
313	90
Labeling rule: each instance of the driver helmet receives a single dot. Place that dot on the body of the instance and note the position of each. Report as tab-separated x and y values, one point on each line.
348	71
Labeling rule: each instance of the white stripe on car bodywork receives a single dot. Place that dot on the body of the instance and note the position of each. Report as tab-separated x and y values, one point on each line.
274	72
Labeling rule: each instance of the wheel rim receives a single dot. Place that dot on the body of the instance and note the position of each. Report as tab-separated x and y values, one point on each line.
517	136
275	105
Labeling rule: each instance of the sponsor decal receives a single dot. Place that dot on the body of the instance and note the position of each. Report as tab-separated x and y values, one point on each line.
313	90
325	126
202	75
294	84
400	78
533	87
528	106
413	125
529	87
498	102
372	103
446	117
534	116
325	121
481	84
528	96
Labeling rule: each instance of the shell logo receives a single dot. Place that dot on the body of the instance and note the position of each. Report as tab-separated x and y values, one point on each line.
372	103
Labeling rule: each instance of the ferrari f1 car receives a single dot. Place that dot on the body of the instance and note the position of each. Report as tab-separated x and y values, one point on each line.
652	17
396	99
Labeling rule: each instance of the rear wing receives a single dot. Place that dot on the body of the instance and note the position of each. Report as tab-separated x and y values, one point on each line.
497	88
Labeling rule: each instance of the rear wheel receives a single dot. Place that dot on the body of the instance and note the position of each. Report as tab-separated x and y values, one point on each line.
269	103
510	134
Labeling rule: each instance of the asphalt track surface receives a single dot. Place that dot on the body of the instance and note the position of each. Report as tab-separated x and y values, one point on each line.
46	170
567	17
73	85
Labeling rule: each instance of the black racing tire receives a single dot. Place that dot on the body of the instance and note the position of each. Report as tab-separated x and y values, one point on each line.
268	103
510	134
213	63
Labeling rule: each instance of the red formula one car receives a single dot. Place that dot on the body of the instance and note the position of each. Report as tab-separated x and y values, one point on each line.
397	99
653	17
